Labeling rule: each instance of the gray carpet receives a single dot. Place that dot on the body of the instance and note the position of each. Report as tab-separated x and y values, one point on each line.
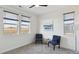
39	49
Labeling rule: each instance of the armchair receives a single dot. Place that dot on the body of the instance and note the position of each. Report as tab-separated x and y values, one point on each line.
39	38
55	41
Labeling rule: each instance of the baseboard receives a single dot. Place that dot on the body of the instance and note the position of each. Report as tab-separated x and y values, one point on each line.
68	49
15	48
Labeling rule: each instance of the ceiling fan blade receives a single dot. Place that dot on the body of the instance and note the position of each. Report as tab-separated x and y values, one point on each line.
32	6
43	5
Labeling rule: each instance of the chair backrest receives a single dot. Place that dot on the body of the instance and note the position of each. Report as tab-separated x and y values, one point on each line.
39	36
56	39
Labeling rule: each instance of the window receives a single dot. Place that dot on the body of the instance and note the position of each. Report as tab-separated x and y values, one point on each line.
10	22
68	22
25	24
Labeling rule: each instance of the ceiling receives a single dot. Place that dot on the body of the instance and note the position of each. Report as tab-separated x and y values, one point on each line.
39	10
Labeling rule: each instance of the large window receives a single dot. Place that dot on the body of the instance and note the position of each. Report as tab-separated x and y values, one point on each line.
69	22
25	24
10	22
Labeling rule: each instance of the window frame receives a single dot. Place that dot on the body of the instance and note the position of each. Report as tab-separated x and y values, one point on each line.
68	20
11	19
26	21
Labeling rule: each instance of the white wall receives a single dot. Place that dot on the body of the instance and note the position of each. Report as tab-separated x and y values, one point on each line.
68	40
46	33
11	41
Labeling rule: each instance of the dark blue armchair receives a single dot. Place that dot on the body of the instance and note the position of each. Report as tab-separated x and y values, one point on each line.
55	41
39	38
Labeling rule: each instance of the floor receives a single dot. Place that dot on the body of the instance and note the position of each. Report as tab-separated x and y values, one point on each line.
39	49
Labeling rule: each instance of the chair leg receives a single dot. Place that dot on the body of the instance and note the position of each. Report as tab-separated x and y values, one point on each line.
41	42
59	46
48	44
35	42
53	47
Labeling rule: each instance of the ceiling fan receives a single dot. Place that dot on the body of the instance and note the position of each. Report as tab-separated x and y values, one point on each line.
38	6
32	6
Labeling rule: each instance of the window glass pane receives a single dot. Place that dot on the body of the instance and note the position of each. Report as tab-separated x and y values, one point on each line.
10	28
68	28
10	15
25	24
68	22
25	18
10	22
24	28
68	16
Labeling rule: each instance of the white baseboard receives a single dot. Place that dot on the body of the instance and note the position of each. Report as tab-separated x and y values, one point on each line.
14	48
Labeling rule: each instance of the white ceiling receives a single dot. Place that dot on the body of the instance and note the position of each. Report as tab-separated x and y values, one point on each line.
39	10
